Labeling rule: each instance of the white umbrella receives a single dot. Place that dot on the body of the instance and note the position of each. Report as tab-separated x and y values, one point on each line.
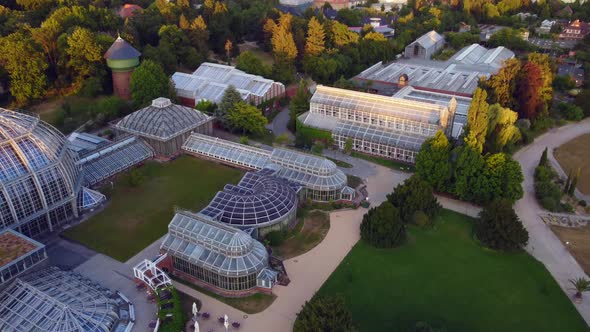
226	322
196	326
195	309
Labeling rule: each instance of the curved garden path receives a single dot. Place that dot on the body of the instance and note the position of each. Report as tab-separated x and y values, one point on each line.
543	243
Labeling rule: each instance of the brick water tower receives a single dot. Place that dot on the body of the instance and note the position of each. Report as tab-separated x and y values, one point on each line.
122	58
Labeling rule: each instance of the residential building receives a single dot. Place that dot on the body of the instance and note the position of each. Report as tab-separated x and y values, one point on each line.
210	81
573	70
486	31
425	46
576	30
545	27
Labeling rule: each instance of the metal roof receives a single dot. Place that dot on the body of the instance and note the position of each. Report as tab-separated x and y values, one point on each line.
259	200
475	54
53	300
214	246
162	120
210	80
376	104
121	50
428	39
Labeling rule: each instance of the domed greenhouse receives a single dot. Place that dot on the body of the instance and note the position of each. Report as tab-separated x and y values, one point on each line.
39	178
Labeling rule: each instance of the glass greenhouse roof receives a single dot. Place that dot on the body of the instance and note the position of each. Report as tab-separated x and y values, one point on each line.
56	301
214	246
37	170
376	104
162	120
114	158
380	135
307	170
88	198
259	199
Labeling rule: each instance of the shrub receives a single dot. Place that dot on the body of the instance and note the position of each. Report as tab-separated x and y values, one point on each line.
570	112
282	139
498	227
582	203
91	87
206	106
324	313
420	219
275	238
318	148
382	226
566	207
244	140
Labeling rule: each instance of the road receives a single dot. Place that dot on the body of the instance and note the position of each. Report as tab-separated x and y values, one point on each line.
279	124
544	245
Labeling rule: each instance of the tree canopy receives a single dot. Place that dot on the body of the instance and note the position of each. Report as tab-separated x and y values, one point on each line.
498	227
246	118
413	195
149	82
382	226
433	161
324	313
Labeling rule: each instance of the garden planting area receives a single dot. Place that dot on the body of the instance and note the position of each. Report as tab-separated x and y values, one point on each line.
574	154
141	204
444	277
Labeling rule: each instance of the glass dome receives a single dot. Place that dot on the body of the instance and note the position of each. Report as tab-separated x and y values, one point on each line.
39	177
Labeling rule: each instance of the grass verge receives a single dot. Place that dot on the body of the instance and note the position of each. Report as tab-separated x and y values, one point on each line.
384	162
443	277
340	163
138	215
308	233
252	304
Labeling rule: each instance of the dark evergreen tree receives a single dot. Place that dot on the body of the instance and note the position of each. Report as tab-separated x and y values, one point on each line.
413	195
382	227
324	313
498	227
433	161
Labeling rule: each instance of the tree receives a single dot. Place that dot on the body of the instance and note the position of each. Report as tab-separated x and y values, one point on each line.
84	53
228	48
432	162
231	97
206	106
477	118
498	227
501	128
543	160
283	44
246	118
503	84
545	64
413	195
25	65
299	104
375	36
324	313
342	36
348	145
316	38
468	175
530	86
574	183
251	64
382	227
149	82
183	23
503	178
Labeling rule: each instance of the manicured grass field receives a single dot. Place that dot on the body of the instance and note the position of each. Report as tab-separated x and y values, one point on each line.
305	236
574	154
442	276
390	163
137	216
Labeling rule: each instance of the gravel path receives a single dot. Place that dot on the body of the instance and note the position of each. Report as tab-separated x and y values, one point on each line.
543	243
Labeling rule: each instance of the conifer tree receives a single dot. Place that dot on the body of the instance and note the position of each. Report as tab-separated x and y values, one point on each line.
574	183
543	161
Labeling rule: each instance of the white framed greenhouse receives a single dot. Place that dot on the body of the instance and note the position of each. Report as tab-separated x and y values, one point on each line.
320	178
220	256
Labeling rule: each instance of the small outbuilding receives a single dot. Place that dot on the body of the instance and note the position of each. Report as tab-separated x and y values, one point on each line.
425	46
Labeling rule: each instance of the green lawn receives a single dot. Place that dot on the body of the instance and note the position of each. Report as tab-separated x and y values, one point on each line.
390	163
442	276
137	216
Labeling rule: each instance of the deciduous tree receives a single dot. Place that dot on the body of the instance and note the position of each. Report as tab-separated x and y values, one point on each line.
503	84
149	82
231	97
413	195
324	313
501	128
316	38
530	96
477	118
246	118
432	162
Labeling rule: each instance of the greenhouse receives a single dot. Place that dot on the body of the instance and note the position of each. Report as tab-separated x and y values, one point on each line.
259	201
19	255
211	253
113	159
389	127
320	178
39	175
165	126
53	300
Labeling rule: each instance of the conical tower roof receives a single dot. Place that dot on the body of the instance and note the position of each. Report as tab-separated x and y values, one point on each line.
121	50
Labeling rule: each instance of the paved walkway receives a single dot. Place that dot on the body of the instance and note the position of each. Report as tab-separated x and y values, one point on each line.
543	243
279	124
